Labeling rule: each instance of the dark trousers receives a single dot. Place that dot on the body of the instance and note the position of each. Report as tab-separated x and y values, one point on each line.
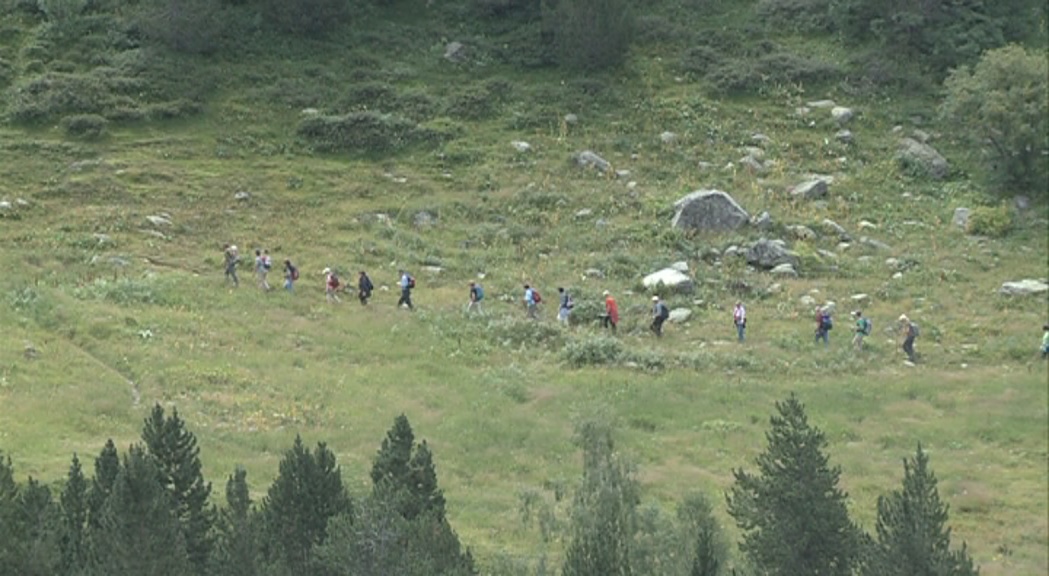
657	326
606	322
363	296
908	347
406	298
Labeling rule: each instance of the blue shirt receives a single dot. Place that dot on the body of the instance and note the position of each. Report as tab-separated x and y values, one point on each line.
529	297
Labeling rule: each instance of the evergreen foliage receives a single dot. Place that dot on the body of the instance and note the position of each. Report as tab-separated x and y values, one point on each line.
706	546
237	548
912	532
177	457
592	34
74	505
604	509
403	472
307	493
107	468
792	513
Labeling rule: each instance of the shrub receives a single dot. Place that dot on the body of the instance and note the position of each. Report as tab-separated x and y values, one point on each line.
360	132
592	350
520	333
999	106
61	12
367	95
306	17
188	26
86	126
472	103
592	34
994	221
799	15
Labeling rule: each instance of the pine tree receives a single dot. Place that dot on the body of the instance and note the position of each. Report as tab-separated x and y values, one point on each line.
705	543
10	536
404	472
913	536
391	463
137	532
38	524
307	493
177	458
107	468
604	510
74	506
237	548
792	513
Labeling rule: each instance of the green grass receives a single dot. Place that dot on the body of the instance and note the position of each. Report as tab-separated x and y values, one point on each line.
493	396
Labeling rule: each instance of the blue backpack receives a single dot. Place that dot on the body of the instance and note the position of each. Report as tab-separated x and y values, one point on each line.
868	327
479	291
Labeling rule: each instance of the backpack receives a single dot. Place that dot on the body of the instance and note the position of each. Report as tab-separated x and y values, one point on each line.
868	327
828	323
664	312
478	292
915	328
294	273
536	297
267	263
411	281
571	302
334	281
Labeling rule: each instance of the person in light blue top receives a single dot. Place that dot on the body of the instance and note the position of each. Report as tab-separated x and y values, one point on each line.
407	283
531	304
564	310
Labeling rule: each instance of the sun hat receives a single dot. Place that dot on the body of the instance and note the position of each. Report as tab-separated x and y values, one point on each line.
903	318
655	298
326	271
605	293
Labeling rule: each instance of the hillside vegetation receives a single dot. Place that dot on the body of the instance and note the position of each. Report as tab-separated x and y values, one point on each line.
444	138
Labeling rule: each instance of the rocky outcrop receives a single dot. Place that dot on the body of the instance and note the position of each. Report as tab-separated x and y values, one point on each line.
709	211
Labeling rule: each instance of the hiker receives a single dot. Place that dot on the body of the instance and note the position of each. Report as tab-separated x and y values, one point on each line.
364	288
910	332
1045	341
232	258
824	324
739	318
407	283
531	302
476	295
611	316
862	328
291	274
262	268
660	313
331	286
564	309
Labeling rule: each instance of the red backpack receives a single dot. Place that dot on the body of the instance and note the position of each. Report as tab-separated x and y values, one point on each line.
535	296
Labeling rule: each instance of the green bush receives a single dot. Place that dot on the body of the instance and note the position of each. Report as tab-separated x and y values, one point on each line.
361	132
994	221
740	75
797	15
518	332
999	107
592	350
306	17
592	34
85	126
61	12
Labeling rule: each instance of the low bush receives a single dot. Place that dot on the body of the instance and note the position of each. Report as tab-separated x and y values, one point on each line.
797	15
370	95
739	75
518	332
360	132
996	221
85	126
592	350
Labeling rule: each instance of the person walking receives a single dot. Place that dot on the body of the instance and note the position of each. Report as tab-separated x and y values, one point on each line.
407	283
739	318
824	323
531	302
909	330
291	274
565	306
262	268
1045	341
660	313
862	329
364	288
232	259
331	286
476	295
611	316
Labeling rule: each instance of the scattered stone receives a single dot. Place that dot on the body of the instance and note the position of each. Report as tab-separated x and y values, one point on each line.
571	119
754	152
759	138
802	111
242	196
892	263
521	146
708	210
810	189
622	173
159	220
753	164
841	114
705	165
593	273
155	234
821	104
631	185
876	244
774	288
310	112
1023	288
584	213
861	299
803	233
844	136
843	246
961	217
921	135
5	205
601	223
920	156
784	270
102	239
1021	203
731	251
768	254
588	159
830	307
455	52
864	259
827	254
21	202
679	315
119	262
897	276
668	277
668	138
836	228
807	301
30	352
867	225
424	219
432	269
681	266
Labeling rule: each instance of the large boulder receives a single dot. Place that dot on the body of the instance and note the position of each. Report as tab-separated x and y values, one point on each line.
961	217
921	158
679	315
589	159
709	210
810	189
1024	288
768	254
671	279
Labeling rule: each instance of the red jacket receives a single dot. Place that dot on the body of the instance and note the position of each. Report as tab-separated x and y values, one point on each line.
612	309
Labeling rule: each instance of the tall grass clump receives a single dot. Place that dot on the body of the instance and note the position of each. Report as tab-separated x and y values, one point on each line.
592	350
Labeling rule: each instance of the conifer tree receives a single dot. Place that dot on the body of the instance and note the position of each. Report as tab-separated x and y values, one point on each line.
306	494
9	533
604	511
404	472
38	527
912	531
107	468
177	457
792	513
237	548
74	506
705	544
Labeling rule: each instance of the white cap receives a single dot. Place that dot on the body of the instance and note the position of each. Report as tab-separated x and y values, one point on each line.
904	318
605	293
326	271
655	298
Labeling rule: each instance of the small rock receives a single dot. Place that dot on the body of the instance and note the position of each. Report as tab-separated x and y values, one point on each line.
864	259
593	273
631	185
803	233
30	352
892	263
622	173
21	202
762	222
774	288
753	164
843	246
921	136
827	254
821	104
455	52
876	244
102	239
571	119
961	217
158	220
810	190
867	225
807	301
704	165
844	136
784	270
588	159
601	223
242	196
1023	288
521	146
754	152
731	251
679	315
1021	203
836	228
424	219
670	278
668	138
861	299
897	276
759	138
841	114
802	111
5	205
584	213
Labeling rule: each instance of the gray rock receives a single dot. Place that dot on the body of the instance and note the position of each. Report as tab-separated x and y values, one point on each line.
921	136
1023	288
731	252
584	213
601	223
521	146
681	266
844	136
897	276
309	112
669	278
424	219
810	189
668	138
754	152
961	217
784	270
708	210
919	156
867	225
774	288
762	222
876	244
1021	203
802	111
22	202
803	233
807	301
455	52
704	165
622	173
821	104
588	159
679	315
836	228
5	205
861	299
830	307
892	263
432	269
768	254
571	119
159	220
841	114
242	196
827	254
593	273
759	138
753	164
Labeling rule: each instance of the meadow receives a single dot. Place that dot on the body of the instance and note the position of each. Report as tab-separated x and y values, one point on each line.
105	313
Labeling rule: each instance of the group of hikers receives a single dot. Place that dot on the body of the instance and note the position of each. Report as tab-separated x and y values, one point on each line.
861	327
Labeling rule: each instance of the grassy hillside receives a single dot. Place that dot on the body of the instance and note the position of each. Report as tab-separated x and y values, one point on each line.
106	313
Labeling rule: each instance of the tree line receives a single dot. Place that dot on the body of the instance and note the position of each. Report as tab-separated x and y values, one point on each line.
149	511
